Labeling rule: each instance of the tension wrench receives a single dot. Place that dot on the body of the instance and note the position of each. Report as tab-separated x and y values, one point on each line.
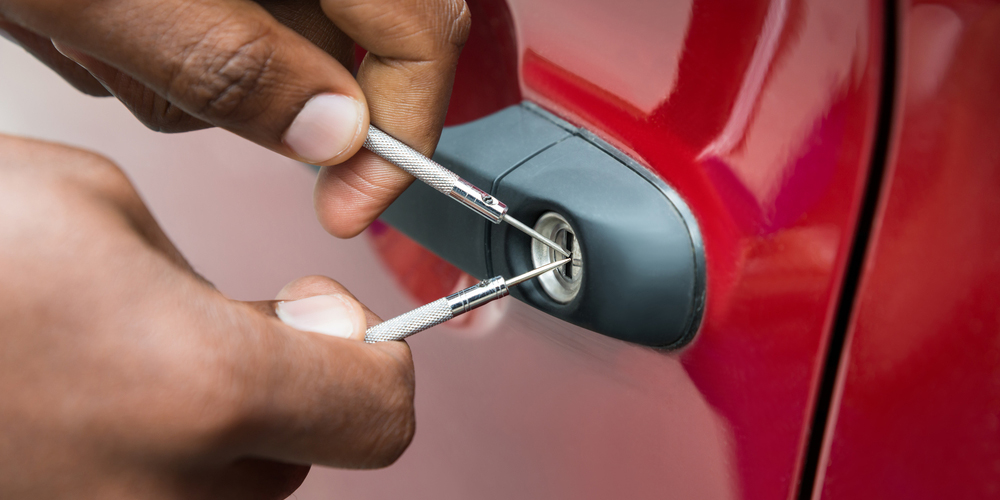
447	182
456	304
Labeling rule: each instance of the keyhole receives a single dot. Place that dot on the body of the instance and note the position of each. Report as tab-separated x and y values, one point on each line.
563	284
565	240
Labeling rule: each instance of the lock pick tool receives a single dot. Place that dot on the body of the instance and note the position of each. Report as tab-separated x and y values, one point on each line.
456	304
447	182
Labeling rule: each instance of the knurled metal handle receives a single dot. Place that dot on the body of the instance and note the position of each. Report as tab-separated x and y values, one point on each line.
456	304
410	160
417	320
434	175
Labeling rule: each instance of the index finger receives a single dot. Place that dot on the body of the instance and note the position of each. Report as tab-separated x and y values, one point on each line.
413	47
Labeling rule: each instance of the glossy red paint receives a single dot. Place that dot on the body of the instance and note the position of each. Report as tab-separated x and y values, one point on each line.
762	115
773	171
486	78
917	412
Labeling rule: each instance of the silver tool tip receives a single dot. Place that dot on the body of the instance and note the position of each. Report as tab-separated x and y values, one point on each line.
536	235
534	273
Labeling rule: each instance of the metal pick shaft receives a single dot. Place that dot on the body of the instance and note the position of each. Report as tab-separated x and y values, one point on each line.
442	310
535	234
447	182
534	273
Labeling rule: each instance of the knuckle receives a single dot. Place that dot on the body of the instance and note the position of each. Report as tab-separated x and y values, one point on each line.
101	167
95	172
62	164
152	110
84	167
160	115
104	176
449	28
460	23
423	33
223	77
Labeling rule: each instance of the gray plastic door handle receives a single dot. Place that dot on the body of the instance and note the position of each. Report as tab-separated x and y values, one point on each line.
641	266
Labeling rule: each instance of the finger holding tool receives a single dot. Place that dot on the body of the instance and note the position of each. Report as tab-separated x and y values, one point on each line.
445	181
456	304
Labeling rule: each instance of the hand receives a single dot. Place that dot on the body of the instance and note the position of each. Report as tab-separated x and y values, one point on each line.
268	71
125	375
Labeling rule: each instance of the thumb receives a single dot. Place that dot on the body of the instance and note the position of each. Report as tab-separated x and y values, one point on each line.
317	399
321	305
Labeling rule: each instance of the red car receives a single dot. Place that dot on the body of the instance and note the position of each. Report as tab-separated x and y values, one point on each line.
835	331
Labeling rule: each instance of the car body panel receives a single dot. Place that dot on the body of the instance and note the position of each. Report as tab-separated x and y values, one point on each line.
762	116
767	133
917	410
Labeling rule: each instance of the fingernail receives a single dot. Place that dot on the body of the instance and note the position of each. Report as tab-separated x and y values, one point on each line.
325	128
326	314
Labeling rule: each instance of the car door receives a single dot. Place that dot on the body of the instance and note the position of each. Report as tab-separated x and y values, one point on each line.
915	409
762	115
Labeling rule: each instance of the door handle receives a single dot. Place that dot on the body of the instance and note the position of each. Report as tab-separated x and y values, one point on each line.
638	272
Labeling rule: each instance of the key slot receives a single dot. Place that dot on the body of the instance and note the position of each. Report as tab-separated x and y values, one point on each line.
564	284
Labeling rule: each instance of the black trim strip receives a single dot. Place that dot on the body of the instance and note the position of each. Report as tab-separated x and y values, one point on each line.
852	277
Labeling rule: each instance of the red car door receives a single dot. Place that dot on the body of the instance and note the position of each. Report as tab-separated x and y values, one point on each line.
840	158
916	407
764	116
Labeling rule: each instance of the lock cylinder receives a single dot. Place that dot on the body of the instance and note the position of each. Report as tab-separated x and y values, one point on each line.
638	266
563	285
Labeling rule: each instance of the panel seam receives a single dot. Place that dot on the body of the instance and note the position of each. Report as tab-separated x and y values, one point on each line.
858	254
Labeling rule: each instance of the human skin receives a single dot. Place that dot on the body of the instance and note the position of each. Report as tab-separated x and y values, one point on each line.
124	373
252	67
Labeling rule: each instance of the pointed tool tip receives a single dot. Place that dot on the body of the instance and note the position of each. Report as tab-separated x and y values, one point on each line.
534	273
536	235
